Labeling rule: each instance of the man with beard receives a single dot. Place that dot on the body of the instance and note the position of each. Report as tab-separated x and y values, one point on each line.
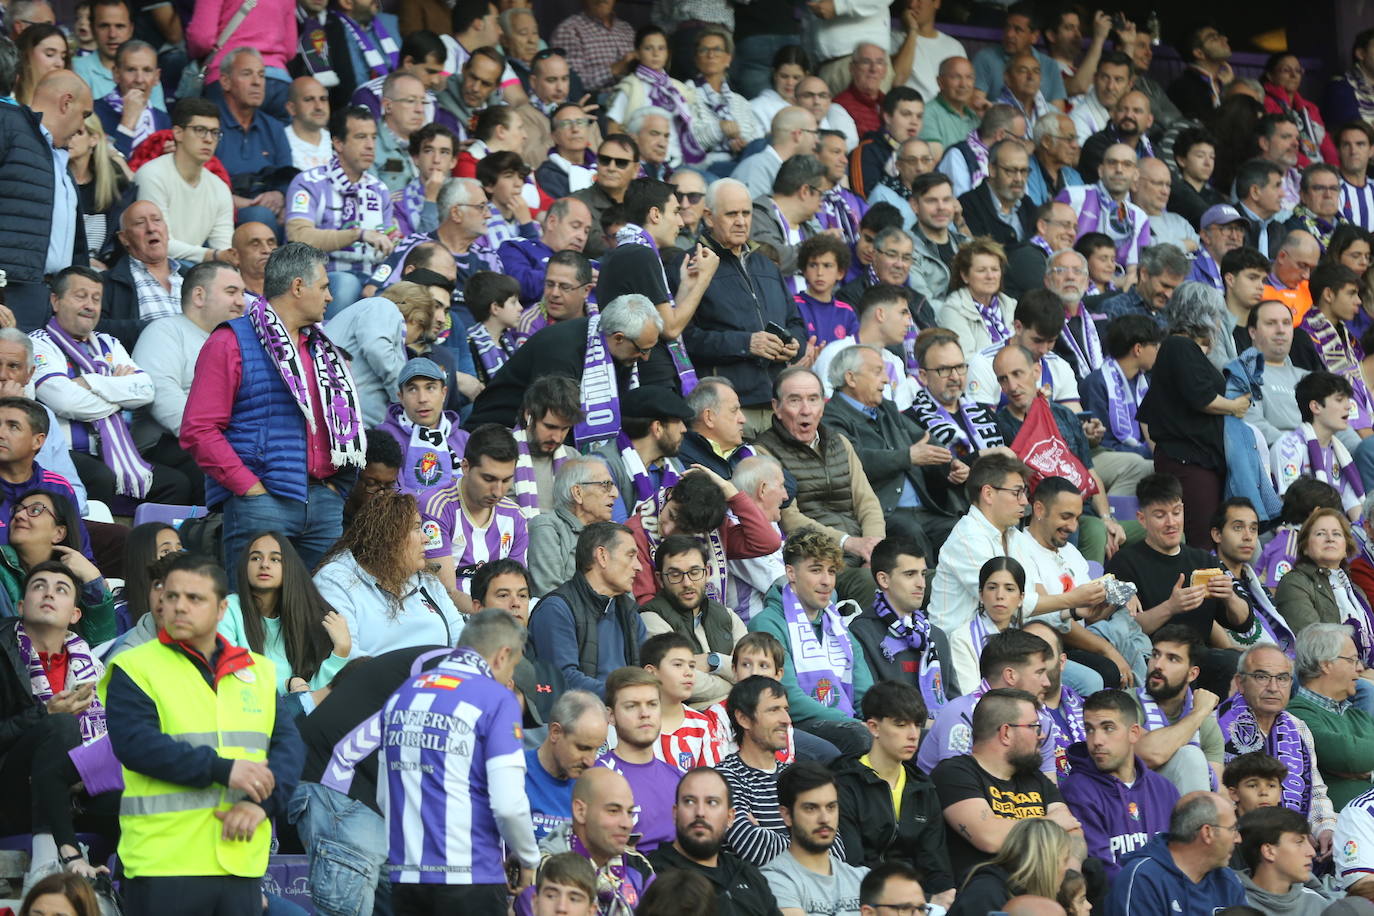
1120	802
1105	207
888	807
941	405
633	699
1278	141
998	207
603	819
643	457
1254	718
810	877
567	284
548	413
1056	225
1198	90
702	810
1066	275
1130	126
998	781
1063	704
1182	741
682	605
577	730
1014	660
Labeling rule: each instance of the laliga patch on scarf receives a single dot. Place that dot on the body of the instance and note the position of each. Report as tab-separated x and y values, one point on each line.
1040	445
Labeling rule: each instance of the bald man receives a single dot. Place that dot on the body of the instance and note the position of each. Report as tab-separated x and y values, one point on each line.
1184	870
253	243
1153	184
1130	124
41	233
1028	905
1298	255
307	102
793	133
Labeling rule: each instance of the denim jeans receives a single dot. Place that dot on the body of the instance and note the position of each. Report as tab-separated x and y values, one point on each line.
752	71
1082	679
311	526
347	844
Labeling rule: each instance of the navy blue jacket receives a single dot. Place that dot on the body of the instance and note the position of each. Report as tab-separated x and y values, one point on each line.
26	191
109	119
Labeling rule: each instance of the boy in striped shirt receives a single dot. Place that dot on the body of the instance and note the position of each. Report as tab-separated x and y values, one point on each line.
685	737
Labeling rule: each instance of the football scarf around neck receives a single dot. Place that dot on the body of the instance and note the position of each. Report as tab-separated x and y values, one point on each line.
824	672
641	480
382	55
144	128
631	234
663	94
1087	356
1343	357
1332	465
491	353
1155	718
974	431
81	667
991	313
1241	732
430	459
1122	402
600	391
525	490
912	632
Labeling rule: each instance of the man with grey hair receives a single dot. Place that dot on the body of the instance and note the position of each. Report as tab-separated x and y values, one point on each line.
403	113
1066	275
1329	667
715	434
918	483
659	149
1104	207
1153	184
998	207
16	373
278	456
1054	160
787	217
762	479
793	133
610	353
25	13
966	162
584	491
1162	269
577	730
127	113
913	159
253	147
725	339
145	284
211	294
1184	870
690	185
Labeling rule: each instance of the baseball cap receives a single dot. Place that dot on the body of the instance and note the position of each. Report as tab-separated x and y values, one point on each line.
1221	214
653	402
420	367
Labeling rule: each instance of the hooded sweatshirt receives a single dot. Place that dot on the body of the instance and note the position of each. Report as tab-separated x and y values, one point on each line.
1150	882
1117	819
1300	900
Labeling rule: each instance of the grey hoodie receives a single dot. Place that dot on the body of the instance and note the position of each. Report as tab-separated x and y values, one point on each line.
1300	900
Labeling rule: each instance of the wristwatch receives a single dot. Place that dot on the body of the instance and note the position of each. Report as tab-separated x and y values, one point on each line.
713	661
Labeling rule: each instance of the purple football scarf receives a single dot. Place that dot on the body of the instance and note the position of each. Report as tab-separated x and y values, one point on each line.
663	94
1242	735
81	667
1341	356
133	476
1269	624
600	392
1088	356
1096	216
824	672
1155	718
1340	462
525	490
915	636
144	128
1278	556
431	453
837	214
640	478
1121	402
342	418
372	55
490	354
631	234
992	319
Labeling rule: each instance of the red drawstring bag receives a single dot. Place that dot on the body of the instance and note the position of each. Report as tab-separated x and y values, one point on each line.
1042	447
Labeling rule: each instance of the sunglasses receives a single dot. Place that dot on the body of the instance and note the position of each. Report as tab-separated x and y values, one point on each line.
616	161
690	198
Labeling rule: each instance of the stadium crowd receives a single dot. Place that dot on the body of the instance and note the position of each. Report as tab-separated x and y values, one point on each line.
772	460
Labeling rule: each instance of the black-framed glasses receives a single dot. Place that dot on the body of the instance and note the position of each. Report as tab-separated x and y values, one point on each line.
1264	678
618	161
675	576
563	287
373	487
947	371
1035	725
905	909
205	133
606	485
547	53
1020	492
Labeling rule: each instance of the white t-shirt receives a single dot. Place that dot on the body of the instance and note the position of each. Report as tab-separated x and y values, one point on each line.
1059	571
901	392
309	155
983	387
930	54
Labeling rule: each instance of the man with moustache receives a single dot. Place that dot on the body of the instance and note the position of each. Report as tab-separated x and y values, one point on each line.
549	411
998	207
809	877
702	811
1254	718
1182	741
941	405
1130	126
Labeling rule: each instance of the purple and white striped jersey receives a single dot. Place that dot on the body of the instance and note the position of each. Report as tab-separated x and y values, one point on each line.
449	744
326	198
449	531
1357	203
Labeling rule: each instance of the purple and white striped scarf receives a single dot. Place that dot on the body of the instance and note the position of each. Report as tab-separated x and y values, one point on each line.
133	476
144	128
663	94
1088	356
912	632
525	489
632	234
824	672
1330	464
641	480
600	391
1121	402
342	417
81	667
1341	355
492	353
991	313
1242	735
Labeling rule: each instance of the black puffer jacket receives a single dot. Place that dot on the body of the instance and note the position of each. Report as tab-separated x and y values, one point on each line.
872	834
26	190
19	711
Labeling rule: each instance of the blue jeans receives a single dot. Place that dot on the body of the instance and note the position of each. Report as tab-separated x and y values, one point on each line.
311	526
752	71
346	287
1082	679
347	845
1364	696
1364	461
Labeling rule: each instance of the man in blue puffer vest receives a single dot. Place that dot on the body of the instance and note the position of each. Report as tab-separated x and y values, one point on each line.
273	416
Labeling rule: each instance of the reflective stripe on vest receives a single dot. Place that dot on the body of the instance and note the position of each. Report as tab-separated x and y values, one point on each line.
169	829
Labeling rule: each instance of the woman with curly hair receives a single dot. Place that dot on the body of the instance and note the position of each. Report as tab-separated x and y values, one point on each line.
376	577
278	612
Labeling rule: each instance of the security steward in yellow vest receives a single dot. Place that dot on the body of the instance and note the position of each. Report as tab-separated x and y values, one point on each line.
208	757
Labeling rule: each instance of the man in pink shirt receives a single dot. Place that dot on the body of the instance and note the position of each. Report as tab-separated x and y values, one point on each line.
273	417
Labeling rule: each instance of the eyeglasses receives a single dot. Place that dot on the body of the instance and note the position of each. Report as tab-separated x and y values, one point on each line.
547	53
373	487
906	909
200	130
1224	826
606	485
1353	659
690	198
33	510
947	371
643	351
712	50
1016	173
566	123
563	287
1264	678
675	576
1035	725
410	100
1020	492
474	206
1325	188
907	258
617	161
